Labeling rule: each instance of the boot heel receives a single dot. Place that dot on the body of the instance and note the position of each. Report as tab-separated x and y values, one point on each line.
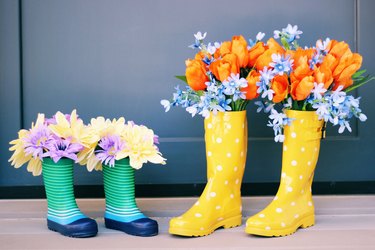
308	221
233	222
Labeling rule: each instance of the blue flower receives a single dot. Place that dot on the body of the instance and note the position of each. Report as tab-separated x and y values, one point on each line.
266	75
278	121
198	40
199	36
258	38
318	90
265	106
229	87
322	46
211	48
195	45
224	103
269	93
292	32
166	104
233	84
280	64
288	36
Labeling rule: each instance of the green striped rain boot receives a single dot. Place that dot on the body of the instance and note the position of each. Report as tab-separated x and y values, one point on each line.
63	214
121	211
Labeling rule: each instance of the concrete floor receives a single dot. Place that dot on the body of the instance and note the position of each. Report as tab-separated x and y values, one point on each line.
342	222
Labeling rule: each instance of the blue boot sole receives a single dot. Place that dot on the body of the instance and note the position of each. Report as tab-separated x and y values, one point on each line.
144	227
82	228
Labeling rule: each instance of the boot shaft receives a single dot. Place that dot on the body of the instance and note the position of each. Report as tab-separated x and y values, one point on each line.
300	151
58	182
119	186
226	144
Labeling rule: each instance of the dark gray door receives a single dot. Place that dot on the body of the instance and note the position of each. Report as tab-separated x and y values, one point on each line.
119	58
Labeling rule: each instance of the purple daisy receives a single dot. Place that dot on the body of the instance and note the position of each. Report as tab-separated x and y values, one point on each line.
110	146
58	148
36	141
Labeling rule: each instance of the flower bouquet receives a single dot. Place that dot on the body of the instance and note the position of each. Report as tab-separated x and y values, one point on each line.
118	148
307	79
62	136
218	78
51	146
116	140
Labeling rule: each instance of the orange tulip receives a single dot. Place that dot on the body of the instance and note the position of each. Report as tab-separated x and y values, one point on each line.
296	55
257	50
280	85
196	74
342	62
329	61
302	89
272	44
201	55
302	70
344	71
266	58
224	67
251	89
323	75
225	48
239	48
338	49
351	60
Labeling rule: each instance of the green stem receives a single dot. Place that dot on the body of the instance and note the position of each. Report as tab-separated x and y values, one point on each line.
353	87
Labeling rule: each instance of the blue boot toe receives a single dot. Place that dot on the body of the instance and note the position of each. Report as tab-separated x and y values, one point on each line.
82	228
142	227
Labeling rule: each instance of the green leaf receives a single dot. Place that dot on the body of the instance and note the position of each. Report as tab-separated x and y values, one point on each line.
295	105
182	78
200	92
358	73
359	82
285	43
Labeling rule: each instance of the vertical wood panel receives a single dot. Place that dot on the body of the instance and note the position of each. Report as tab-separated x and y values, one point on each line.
118	58
10	116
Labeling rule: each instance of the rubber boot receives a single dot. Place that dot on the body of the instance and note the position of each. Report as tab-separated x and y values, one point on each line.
293	206
63	214
121	211
220	203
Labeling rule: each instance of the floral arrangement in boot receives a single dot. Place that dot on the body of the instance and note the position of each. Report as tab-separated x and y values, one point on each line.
118	149
116	140
51	146
316	78
219	77
219	87
62	136
311	86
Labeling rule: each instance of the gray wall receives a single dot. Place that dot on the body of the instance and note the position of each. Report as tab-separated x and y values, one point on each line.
119	58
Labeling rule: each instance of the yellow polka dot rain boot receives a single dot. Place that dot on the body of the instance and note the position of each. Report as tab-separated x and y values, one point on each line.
220	203
292	206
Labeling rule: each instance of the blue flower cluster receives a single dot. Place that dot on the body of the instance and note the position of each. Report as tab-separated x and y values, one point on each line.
337	108
214	99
